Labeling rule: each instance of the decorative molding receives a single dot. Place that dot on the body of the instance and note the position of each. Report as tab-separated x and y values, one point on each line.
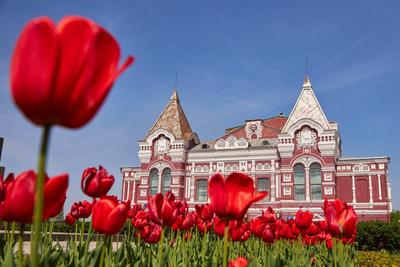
231	143
306	138
287	191
253	128
328	190
361	167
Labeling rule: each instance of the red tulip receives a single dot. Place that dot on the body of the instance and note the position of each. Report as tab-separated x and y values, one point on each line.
161	209
257	226
69	219
96	183
269	215
141	219
340	217
238	262
303	219
134	210
81	209
230	199
61	74
109	215
204	212
19	197
151	233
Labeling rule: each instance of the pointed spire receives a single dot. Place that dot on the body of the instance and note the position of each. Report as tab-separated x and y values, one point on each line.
307	107
173	120
306	82
175	96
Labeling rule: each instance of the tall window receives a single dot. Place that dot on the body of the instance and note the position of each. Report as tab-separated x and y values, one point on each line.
299	182
316	187
153	182
264	184
201	190
166	181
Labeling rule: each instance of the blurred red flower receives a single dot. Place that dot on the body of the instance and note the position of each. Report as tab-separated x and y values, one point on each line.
61	74
19	198
340	217
81	209
109	215
69	219
238	262
303	219
231	198
204	212
96	183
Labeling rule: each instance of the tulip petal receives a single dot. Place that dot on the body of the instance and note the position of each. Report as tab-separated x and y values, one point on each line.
101	209
218	195
20	197
32	69
55	192
116	219
240	194
95	81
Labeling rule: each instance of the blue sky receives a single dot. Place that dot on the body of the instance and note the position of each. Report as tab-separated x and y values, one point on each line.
235	61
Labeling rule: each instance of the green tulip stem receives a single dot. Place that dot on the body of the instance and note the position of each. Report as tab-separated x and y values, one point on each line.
20	245
225	259
82	229
87	243
39	196
160	247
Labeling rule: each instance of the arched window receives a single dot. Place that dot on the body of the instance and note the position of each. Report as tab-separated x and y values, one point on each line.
166	181
201	190
153	182
315	181
299	182
264	184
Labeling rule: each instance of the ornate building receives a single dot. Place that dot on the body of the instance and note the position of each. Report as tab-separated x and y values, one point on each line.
297	159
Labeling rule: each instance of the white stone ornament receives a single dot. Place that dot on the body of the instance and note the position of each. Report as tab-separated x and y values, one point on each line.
306	138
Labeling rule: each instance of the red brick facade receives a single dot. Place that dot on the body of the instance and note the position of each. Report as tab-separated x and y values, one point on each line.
297	159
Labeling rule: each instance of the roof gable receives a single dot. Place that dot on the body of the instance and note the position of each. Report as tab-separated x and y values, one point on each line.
173	120
307	107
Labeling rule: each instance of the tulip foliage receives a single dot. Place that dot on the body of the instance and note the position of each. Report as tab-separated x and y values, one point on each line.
166	230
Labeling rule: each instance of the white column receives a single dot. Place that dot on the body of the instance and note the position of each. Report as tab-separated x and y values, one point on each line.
273	184
371	200
353	188
133	193
307	170
278	185
129	190
379	186
191	186
159	182
123	190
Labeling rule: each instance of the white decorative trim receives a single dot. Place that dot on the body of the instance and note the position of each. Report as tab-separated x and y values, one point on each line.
143	192
379	187
253	127
231	143
306	138
287	178
361	167
328	176
287	191
328	190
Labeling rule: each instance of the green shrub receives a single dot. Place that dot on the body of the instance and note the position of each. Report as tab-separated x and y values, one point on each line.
378	235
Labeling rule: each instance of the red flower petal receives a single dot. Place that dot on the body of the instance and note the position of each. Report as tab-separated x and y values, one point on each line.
32	69
218	195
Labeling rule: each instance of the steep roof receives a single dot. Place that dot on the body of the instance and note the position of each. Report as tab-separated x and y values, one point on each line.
173	120
307	106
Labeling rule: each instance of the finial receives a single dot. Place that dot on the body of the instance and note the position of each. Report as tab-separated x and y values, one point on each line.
306	82
175	95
